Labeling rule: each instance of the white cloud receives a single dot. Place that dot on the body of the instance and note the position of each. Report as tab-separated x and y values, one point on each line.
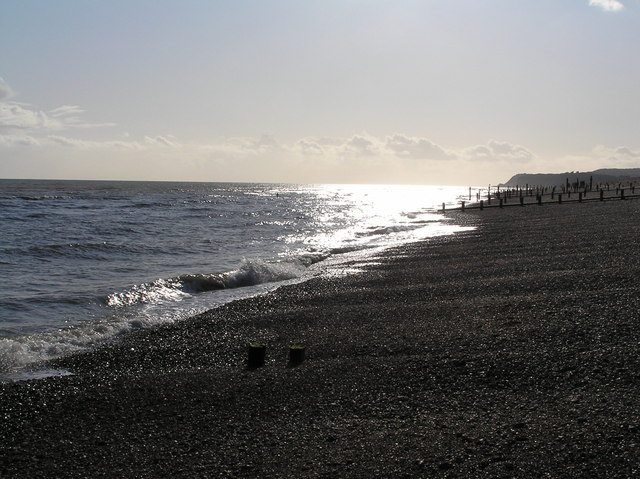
24	140
266	143
5	90
394	149
607	5
417	148
361	158
65	110
310	147
618	157
499	151
14	115
22	116
68	142
12	141
17	115
169	140
359	145
628	152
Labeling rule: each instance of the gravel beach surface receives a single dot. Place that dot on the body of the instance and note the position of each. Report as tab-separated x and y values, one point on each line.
509	351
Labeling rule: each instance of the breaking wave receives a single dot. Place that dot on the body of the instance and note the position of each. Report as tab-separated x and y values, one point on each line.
125	313
249	273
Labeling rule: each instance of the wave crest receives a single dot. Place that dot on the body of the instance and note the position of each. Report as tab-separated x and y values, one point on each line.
249	273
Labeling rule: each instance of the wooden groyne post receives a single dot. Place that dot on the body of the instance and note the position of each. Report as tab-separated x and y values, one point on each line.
257	353
296	354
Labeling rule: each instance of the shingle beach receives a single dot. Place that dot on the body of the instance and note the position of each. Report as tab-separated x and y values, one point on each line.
512	350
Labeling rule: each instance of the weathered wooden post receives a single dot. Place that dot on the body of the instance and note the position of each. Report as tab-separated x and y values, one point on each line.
462	207
601	194
539	200
296	354
257	352
521	201
580	197
622	193
481	204
560	198
443	207
500	202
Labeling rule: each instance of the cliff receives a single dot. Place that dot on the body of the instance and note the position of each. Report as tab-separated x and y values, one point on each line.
603	175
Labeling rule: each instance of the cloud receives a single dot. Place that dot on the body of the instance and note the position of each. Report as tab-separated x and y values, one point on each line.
12	141
24	140
499	151
65	110
16	115
359	145
169	140
5	90
22	116
404	147
310	147
266	143
607	5
394	149
67	142
621	156
627	152
417	148
361	158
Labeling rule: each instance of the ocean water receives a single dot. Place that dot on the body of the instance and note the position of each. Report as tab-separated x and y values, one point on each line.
85	261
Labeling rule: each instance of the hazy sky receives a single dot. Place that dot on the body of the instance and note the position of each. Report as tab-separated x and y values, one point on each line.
318	91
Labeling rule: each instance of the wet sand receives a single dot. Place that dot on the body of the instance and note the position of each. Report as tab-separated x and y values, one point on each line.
509	351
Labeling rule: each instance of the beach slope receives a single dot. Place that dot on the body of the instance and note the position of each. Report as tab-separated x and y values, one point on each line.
509	351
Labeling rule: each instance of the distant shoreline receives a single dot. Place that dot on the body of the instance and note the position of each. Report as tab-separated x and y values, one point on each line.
609	176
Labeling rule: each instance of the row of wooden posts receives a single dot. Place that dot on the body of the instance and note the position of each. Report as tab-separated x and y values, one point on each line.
258	351
531	190
502	197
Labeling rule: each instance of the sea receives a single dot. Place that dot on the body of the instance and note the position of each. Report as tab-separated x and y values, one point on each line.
84	262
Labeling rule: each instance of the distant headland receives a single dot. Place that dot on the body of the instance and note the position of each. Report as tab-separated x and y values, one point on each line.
603	175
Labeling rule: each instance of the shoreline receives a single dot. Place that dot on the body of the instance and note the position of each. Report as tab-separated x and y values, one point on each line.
510	350
107	281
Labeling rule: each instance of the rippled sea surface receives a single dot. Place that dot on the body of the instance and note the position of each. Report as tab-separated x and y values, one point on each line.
82	261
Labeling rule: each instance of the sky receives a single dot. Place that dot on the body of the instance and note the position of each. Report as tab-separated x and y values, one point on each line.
457	92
